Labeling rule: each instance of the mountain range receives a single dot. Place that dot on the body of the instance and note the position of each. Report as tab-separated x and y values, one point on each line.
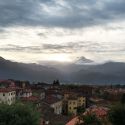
83	73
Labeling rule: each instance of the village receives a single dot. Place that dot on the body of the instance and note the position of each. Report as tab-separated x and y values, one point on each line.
61	104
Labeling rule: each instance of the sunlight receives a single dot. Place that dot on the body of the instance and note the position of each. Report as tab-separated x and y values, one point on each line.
59	58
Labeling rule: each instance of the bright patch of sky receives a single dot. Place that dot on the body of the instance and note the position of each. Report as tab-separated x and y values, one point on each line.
32	31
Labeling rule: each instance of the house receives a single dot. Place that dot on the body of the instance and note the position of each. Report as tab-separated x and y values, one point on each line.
99	111
74	121
67	94
47	113
40	92
49	117
81	101
74	102
54	103
32	100
7	96
22	92
72	105
7	84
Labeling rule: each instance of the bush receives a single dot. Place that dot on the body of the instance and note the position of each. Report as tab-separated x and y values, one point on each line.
117	115
18	114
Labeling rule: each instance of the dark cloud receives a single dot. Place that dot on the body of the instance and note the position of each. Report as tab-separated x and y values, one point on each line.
60	13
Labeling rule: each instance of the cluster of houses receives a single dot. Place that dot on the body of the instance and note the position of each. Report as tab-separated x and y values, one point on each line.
52	100
10	92
59	100
100	112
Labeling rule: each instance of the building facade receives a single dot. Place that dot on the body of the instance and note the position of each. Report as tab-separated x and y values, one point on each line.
7	96
54	103
75	102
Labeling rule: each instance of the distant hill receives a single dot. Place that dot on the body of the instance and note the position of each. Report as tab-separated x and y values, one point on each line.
107	73
22	71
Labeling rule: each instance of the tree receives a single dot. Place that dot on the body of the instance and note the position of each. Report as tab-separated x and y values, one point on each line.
18	114
117	115
80	110
56	82
123	99
89	119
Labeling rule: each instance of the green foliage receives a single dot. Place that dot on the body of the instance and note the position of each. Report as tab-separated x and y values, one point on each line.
80	110
18	114
89	119
71	86
123	99
117	115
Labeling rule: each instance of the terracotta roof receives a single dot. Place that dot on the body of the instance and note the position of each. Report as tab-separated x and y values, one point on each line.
73	121
98	111
6	90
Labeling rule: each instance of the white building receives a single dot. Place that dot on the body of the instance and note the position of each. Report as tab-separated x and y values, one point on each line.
57	106
54	103
24	93
7	96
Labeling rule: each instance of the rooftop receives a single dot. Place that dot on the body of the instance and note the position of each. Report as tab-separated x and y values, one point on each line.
6	90
31	98
51	100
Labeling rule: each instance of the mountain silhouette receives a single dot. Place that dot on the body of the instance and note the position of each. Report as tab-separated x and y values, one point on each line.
107	73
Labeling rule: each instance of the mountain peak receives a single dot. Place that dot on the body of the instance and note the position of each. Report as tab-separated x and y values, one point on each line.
83	60
1	58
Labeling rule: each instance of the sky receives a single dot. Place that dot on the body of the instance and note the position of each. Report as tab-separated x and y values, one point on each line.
62	30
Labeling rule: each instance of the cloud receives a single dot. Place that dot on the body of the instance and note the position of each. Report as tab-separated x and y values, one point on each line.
60	13
43	49
67	48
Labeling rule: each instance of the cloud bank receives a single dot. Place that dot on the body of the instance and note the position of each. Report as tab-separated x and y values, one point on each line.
42	28
60	13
